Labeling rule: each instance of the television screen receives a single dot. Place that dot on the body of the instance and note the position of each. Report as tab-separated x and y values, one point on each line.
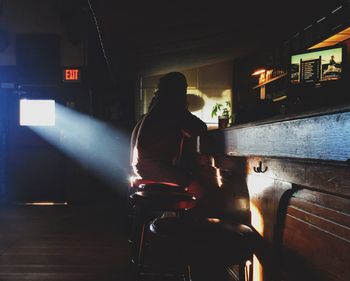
317	66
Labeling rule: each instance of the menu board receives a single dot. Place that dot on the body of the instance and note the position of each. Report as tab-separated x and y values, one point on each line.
310	70
317	66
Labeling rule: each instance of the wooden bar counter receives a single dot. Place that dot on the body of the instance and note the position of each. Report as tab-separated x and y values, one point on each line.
295	173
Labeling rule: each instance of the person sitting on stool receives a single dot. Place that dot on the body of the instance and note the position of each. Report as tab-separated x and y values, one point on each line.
157	138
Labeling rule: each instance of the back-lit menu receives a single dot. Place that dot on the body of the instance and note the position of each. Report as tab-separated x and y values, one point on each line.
310	70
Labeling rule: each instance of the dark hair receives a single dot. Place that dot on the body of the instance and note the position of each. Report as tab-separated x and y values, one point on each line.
172	89
171	80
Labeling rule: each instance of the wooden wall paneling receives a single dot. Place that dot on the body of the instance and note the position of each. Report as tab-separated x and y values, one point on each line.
271	194
324	176
286	173
336	208
337	229
268	199
316	237
318	219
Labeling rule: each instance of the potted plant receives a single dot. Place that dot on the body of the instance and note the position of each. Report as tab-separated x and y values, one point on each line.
223	111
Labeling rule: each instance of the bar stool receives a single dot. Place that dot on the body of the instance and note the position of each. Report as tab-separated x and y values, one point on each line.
135	185
150	201
205	242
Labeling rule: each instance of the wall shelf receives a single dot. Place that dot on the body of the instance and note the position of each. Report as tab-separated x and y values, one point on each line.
270	80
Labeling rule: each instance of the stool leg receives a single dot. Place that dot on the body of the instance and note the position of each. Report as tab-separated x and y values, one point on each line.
136	234
249	267
132	224
141	245
187	273
141	221
137	252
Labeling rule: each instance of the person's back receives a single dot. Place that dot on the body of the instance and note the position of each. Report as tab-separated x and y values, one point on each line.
157	138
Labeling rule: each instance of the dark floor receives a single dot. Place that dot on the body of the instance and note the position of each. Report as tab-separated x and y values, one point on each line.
63	243
72	243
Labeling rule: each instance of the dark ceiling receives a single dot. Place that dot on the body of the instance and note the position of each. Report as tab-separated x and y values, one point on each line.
155	36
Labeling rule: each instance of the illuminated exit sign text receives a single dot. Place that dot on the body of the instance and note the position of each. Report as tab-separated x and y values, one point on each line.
71	75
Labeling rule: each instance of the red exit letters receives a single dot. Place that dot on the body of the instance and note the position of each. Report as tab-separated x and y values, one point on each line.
71	75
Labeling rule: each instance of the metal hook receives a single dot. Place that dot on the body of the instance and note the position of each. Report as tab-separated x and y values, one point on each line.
259	168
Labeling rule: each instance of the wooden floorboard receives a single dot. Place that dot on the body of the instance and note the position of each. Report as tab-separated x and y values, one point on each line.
63	243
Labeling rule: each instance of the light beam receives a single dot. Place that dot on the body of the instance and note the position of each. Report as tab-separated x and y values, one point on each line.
93	143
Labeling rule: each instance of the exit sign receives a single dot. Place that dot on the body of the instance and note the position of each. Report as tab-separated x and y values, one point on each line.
71	75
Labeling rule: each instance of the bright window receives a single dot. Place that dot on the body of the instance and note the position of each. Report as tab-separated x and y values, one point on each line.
37	112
